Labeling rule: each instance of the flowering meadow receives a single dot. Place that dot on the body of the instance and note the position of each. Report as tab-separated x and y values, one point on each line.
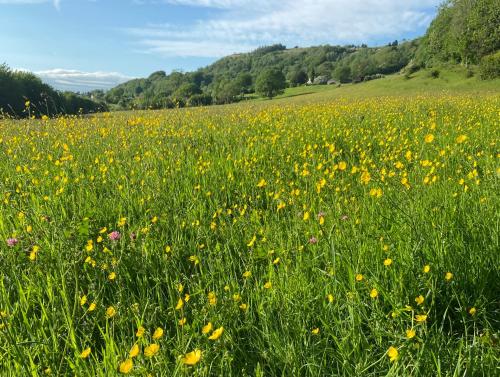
344	238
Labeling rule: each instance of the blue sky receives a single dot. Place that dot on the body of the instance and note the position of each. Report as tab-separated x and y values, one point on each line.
87	44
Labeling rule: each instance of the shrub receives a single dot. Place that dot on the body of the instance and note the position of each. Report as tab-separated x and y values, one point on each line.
434	73
489	68
200	100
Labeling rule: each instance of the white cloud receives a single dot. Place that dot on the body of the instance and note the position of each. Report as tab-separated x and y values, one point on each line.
241	25
69	79
56	3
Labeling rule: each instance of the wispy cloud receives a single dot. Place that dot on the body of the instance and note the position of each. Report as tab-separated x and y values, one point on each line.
241	25
69	79
56	3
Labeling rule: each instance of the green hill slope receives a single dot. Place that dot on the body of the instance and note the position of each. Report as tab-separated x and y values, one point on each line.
451	80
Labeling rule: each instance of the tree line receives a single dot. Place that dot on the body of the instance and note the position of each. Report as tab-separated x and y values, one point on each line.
23	94
234	77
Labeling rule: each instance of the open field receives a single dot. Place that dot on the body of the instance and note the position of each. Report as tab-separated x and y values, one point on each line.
330	237
451	80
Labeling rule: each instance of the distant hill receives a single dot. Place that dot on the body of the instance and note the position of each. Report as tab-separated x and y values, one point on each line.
464	32
230	78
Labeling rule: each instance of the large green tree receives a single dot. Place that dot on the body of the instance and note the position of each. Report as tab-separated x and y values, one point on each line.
270	83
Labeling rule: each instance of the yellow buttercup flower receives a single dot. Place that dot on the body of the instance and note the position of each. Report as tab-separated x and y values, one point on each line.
192	358
85	353
421	317
134	351
151	350
392	353
252	241
140	332
212	298
410	333
158	333
126	366
180	304
207	328
110	312
83	300
373	293
216	334
429	138
419	300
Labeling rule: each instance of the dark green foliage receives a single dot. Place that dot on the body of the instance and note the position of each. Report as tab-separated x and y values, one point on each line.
489	68
342	73
463	32
16	88
297	77
244	82
267	49
270	83
434	73
226	91
200	100
185	91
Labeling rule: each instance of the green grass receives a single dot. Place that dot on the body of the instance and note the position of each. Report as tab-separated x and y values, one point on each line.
259	218
451	80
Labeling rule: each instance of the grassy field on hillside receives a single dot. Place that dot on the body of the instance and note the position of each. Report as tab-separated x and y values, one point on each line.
331	237
451	80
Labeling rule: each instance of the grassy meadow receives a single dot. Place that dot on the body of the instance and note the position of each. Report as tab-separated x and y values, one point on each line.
344	237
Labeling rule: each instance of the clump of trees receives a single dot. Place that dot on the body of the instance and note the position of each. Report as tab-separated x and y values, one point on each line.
23	94
464	31
270	83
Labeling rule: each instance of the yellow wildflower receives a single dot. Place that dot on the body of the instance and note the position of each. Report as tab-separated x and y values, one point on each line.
85	353
151	350
192	358
207	328
392	353
216	334
158	333
126	366
134	351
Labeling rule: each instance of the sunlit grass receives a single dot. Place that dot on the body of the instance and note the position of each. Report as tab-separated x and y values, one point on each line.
353	238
